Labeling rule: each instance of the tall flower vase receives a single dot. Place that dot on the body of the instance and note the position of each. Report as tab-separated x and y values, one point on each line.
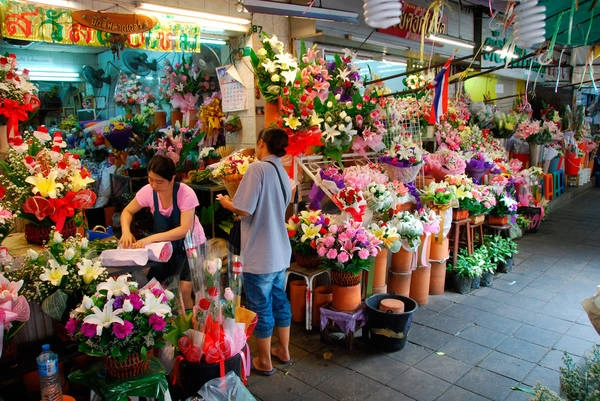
536	154
346	294
272	115
419	284
380	272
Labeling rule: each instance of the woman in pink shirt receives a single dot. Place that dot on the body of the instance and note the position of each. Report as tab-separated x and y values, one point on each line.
173	207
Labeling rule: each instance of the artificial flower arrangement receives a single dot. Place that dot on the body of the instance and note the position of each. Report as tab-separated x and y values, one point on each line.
274	68
60	274
120	319
348	247
305	228
14	309
18	96
43	184
410	229
130	93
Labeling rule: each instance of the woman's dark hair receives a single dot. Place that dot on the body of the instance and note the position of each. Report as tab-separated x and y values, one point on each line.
276	140
163	166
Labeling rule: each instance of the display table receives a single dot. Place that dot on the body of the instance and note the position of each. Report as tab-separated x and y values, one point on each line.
309	275
152	383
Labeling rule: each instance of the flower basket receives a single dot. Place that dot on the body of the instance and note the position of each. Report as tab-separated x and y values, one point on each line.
478	219
460	214
402	174
345	279
231	183
39	235
132	366
477	173
497	220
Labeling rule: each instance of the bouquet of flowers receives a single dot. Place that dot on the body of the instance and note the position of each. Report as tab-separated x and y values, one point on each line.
445	162
170	144
481	201
506	203
410	229
380	199
430	220
305	229
403	161
231	169
387	234
17	94
129	92
6	217
120	319
529	130
478	165
14	309
505	124
438	193
61	274
348	247
329	178
352	201
37	165
275	68
118	133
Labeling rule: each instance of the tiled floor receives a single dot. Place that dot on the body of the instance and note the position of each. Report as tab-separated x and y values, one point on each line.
476	346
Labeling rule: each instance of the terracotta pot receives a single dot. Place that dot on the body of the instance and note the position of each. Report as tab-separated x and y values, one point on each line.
392	305
402	261
298	300
497	220
272	115
346	298
439	250
322	295
160	119
437	277
419	284
399	282
380	269
460	214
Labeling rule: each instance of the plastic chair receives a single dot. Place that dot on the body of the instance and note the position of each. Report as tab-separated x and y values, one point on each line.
549	186
558	182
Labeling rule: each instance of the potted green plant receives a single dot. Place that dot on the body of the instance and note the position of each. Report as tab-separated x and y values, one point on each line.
501	251
465	270
483	257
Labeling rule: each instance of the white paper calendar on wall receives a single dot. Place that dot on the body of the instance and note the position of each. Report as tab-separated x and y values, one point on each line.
233	92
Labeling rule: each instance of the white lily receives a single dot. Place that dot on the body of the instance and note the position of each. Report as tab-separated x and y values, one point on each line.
117	287
154	305
105	317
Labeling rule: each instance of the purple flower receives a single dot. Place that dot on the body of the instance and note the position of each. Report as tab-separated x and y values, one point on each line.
88	330
118	302
136	300
158	323
71	326
122	330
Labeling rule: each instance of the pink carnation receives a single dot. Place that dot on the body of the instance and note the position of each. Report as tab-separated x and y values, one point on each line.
88	330
157	322
122	330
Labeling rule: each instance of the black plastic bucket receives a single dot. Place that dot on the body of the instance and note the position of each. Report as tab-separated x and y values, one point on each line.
191	376
386	330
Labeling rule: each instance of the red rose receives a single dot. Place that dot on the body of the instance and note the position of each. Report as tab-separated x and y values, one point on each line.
204	304
213	292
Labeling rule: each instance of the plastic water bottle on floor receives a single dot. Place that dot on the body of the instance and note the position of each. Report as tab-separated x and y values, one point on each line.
47	363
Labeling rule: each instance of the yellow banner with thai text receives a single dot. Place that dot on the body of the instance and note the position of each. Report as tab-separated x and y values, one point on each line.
33	23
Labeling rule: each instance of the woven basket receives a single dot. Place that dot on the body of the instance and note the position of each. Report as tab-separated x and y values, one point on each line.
402	174
477	219
309	261
231	183
345	279
39	235
134	365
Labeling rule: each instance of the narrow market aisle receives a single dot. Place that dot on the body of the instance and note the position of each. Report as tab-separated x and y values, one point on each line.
476	346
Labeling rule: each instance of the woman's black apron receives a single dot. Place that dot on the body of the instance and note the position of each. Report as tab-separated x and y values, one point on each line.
176	266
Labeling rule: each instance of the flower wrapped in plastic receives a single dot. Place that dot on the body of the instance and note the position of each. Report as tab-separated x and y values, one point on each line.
478	165
438	194
330	178
445	162
352	202
14	309
379	199
387	234
410	229
402	161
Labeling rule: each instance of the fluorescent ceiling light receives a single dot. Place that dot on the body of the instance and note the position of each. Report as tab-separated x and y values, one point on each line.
451	41
205	20
293	10
212	41
377	43
54	76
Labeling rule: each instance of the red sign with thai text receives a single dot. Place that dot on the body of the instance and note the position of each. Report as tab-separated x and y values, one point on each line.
411	23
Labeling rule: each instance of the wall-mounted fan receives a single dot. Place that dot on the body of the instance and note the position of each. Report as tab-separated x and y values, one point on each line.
95	77
137	63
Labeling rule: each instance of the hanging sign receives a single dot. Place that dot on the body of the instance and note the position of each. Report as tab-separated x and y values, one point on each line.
411	22
123	24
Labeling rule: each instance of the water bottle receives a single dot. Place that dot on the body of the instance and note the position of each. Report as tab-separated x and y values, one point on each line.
47	363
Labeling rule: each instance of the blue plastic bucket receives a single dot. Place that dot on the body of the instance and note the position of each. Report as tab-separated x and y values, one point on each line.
553	165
